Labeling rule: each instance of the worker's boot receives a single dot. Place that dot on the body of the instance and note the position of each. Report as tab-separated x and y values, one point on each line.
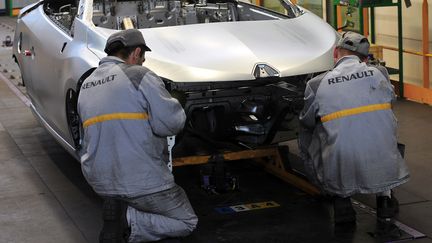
344	212
115	228
387	207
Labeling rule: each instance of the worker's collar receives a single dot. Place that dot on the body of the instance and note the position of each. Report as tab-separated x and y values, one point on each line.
113	59
346	58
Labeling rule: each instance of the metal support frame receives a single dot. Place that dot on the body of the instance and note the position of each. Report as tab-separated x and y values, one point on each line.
270	158
425	28
8	7
364	21
400	51
422	94
413	92
372	16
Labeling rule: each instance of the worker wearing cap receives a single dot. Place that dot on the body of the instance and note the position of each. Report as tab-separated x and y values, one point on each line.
349	139
127	115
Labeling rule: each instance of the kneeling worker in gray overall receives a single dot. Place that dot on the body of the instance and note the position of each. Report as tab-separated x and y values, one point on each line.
349	139
127	115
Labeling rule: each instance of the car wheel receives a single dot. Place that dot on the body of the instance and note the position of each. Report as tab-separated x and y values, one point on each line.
72	115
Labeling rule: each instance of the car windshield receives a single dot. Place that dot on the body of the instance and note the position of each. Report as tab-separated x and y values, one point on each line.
160	13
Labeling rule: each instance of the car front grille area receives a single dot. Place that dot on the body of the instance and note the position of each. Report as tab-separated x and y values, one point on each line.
246	115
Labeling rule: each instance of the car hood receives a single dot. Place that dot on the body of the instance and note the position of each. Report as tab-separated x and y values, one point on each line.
230	50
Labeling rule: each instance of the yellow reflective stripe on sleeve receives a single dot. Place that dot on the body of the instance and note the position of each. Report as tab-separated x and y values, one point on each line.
115	116
355	111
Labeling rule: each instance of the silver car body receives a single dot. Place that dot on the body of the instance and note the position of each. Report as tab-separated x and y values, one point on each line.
201	43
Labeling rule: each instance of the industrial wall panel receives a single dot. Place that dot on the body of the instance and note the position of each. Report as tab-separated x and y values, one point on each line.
22	3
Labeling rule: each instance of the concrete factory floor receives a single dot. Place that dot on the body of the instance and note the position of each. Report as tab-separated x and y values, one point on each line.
44	197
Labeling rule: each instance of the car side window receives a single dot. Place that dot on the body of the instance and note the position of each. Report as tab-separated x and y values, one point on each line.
62	13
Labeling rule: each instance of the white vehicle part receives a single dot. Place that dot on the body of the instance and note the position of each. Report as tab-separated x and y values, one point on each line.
85	11
59	138
307	44
171	143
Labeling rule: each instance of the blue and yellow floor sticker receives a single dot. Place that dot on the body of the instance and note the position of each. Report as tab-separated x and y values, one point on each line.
247	207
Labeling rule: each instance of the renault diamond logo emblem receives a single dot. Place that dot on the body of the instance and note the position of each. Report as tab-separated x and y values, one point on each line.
262	70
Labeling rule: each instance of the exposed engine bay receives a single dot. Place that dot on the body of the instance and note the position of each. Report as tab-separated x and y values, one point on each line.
259	112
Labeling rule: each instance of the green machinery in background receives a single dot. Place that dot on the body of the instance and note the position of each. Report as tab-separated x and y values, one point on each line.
353	19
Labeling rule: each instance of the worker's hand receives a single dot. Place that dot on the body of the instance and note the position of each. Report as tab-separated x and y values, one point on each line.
180	96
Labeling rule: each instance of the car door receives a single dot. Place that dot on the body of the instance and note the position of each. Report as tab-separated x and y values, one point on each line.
24	36
50	60
23	56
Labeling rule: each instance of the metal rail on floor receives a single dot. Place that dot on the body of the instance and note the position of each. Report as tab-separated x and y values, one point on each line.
270	158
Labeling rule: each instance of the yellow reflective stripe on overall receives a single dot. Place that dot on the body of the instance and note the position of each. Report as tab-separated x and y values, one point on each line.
355	111
115	116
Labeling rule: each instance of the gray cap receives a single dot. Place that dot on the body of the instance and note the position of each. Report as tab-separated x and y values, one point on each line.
130	37
354	42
